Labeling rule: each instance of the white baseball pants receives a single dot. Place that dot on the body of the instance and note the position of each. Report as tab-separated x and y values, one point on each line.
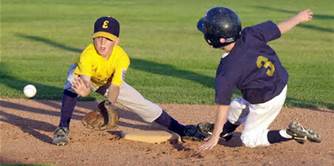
256	118
129	97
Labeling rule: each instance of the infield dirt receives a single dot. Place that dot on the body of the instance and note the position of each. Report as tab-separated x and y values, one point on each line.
27	128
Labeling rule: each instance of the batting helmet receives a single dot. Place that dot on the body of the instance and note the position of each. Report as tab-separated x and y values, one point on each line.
220	22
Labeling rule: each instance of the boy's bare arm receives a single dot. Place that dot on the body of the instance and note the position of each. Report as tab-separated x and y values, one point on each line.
221	118
301	17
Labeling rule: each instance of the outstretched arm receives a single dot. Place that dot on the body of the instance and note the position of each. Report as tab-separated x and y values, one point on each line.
301	17
221	117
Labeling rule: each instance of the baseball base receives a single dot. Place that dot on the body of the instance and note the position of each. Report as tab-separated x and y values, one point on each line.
154	137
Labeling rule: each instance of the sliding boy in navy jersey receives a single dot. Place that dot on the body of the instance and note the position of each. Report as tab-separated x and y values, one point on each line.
252	66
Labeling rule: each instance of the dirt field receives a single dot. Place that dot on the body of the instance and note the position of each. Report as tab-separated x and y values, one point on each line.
27	128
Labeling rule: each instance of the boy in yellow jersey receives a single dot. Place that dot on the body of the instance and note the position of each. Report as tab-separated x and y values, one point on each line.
101	68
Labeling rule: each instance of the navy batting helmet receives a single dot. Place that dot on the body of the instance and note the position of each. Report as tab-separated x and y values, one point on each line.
220	22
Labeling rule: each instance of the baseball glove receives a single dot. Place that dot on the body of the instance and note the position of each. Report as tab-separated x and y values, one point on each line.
104	118
207	129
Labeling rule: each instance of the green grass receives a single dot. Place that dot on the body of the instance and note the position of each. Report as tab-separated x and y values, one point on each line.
171	63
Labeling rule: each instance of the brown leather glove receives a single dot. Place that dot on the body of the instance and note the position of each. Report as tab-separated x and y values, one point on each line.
104	118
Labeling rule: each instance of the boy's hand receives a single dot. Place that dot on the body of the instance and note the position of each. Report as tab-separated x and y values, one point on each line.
301	17
210	142
304	16
80	87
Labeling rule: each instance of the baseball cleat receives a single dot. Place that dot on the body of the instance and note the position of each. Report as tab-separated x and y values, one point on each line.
207	129
193	133
301	134
60	136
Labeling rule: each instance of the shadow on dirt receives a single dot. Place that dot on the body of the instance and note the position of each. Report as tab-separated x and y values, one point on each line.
9	113
22	107
29	126
234	142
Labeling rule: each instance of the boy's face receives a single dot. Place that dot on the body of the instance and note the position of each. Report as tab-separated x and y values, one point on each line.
104	46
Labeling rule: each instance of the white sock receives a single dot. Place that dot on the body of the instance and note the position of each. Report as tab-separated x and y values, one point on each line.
284	134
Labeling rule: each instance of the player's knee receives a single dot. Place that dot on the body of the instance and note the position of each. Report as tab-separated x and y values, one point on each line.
248	141
255	139
251	140
148	111
153	115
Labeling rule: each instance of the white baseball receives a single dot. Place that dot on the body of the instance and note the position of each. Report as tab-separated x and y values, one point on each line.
29	91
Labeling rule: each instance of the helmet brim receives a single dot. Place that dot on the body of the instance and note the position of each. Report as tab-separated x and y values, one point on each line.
200	25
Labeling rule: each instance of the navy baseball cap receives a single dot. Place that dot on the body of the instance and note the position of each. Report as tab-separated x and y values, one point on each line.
107	27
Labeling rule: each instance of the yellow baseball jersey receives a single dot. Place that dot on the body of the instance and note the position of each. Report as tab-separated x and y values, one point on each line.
101	70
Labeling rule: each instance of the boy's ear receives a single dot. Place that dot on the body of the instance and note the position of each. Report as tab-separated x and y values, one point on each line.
117	41
222	40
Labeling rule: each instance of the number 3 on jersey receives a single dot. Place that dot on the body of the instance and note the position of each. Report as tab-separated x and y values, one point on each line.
267	64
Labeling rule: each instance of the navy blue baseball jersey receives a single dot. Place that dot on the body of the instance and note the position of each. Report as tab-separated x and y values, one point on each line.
252	66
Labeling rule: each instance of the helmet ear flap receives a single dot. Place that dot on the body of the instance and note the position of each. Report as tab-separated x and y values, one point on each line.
215	41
